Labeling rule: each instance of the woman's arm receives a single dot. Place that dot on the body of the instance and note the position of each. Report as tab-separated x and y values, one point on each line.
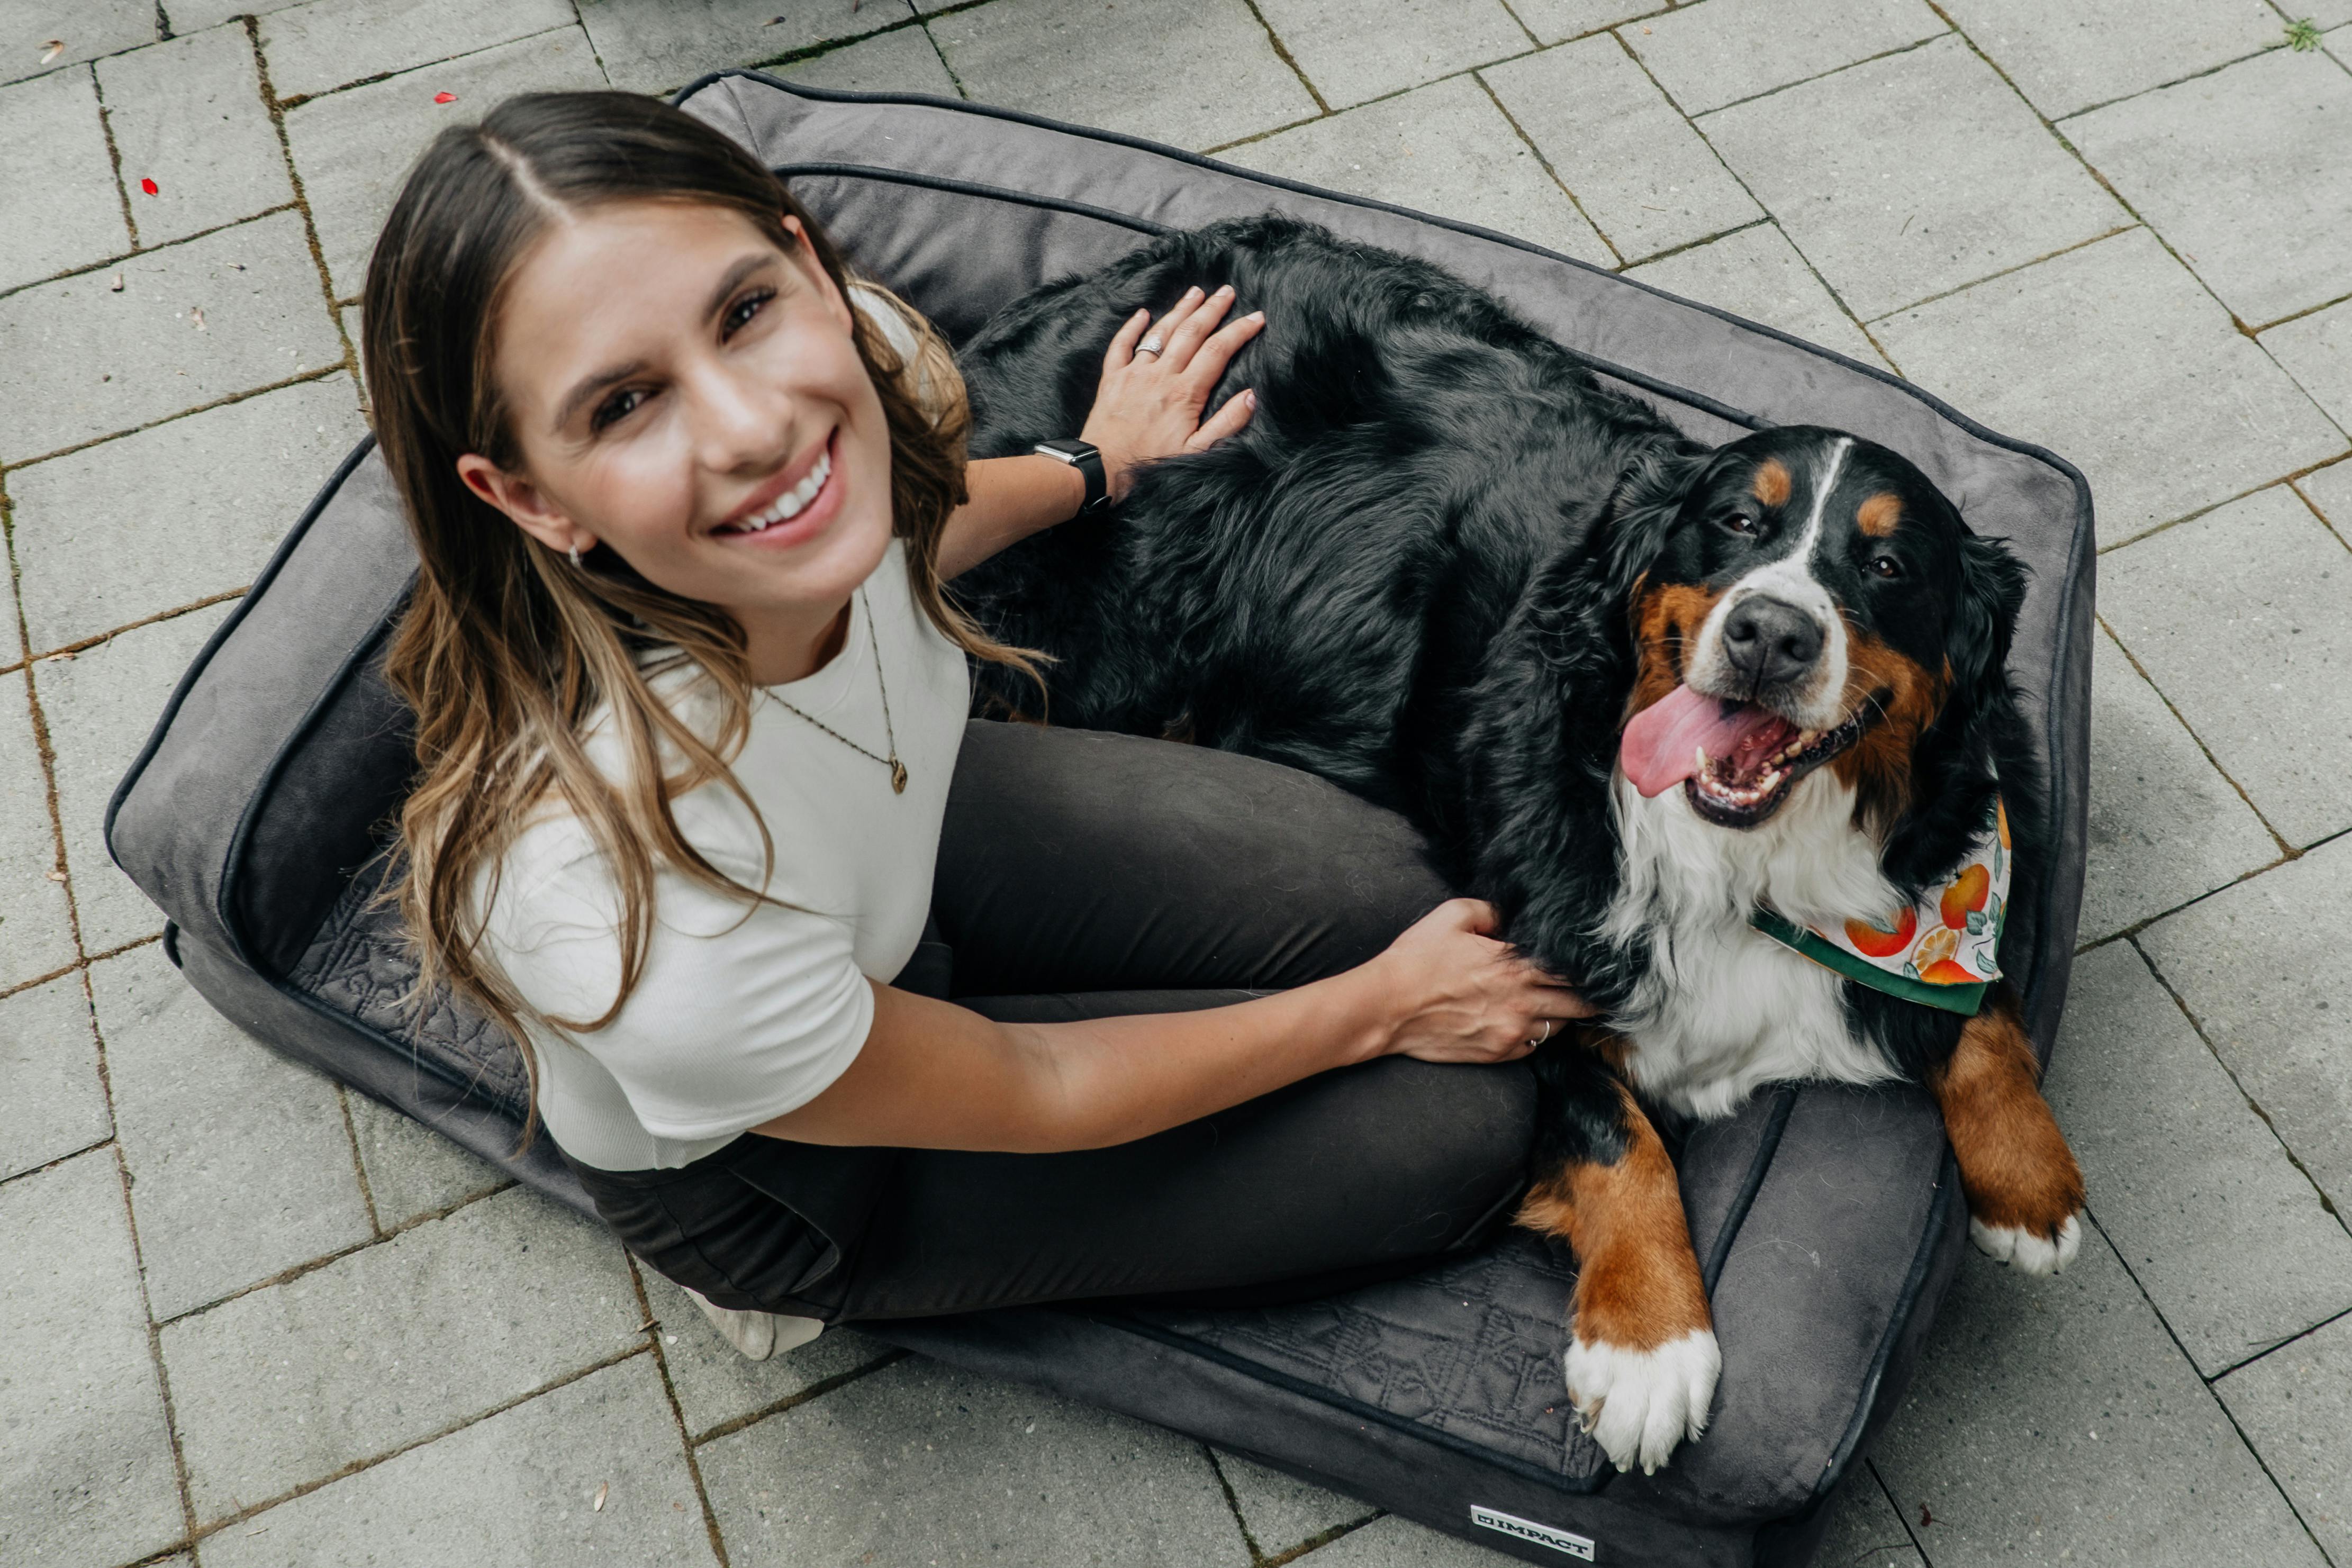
1148	406
932	1075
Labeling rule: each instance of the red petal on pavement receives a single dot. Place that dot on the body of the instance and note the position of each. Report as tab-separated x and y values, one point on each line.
149	187
445	98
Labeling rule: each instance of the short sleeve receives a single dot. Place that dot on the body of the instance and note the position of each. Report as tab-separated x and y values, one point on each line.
743	1013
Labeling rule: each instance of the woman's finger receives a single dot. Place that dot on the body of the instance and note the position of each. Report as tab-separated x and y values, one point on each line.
1214	354
1226	422
1123	342
1163	331
1197	323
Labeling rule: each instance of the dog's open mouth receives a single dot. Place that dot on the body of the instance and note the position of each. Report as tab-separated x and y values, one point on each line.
1736	761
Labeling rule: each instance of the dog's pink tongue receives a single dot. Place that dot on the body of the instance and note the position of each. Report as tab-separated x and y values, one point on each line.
1662	745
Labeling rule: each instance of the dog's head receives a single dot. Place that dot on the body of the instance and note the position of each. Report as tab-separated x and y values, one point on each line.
1809	601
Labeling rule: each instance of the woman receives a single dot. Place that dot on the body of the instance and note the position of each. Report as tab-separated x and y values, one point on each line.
696	776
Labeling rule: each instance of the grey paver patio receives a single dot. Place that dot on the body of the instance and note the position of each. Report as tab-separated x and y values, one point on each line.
2166	825
1443	149
50	129
1644	178
188	115
1893	205
2243	618
2248	171
2136	375
48	1059
85	1458
2256	966
240	1167
471	1364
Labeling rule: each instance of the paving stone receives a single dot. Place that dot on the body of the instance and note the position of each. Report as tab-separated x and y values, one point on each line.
658	46
189	14
2247	172
1443	149
1282	1513
286	1386
1553	21
48	1059
2224	1235
1723	51
1393	1543
412	1170
2051	1420
36	932
1865	1531
101	706
328	44
84	1458
52	140
353	148
2065	58
919	1462
188	115
1758	273
1893	205
901	61
1644	177
2316	350
523	1487
178	512
88	28
2259	966
1049	56
2113	356
2243	618
715	1385
240	1168
80	358
1351	56
2296	1404
2164	827
2330	490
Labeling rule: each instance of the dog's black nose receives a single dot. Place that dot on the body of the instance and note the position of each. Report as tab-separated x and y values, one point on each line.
1770	640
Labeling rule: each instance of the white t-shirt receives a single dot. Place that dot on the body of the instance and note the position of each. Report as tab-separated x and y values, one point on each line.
744	1012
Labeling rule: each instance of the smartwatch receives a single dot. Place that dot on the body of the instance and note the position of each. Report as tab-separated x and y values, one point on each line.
1089	462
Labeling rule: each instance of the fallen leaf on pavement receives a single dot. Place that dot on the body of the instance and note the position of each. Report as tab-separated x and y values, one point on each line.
198	312
598	1506
52	50
151	187
445	98
56	876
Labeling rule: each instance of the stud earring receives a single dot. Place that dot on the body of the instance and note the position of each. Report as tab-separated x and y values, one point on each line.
575	554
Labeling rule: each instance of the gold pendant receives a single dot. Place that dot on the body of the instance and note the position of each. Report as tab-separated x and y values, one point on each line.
898	776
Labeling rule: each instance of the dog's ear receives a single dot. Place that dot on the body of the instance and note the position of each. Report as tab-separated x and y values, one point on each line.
1642	509
1984	621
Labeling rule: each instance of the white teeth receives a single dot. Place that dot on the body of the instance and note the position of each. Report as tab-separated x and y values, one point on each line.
790	503
1698	756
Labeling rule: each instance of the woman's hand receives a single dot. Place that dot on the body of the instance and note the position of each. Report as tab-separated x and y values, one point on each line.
1149	404
1458	994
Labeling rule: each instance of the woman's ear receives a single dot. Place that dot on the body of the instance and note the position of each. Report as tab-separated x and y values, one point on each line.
525	503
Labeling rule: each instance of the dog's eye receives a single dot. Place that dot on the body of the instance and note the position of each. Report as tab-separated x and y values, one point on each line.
1738	523
1885	566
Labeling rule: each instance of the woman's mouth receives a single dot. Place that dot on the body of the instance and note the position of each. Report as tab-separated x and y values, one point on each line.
796	514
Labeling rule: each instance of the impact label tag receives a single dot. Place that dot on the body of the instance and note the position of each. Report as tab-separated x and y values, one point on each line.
1511	1524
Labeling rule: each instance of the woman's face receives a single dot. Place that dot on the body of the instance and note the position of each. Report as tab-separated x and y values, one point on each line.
684	391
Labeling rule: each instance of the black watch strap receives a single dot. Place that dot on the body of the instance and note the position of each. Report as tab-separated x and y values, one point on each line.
1089	462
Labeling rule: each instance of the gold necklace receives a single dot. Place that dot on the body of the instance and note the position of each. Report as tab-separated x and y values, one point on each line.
898	769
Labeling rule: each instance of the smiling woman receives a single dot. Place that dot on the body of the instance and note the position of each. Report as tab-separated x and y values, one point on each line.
696	784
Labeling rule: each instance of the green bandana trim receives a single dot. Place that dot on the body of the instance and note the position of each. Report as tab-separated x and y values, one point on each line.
1963	999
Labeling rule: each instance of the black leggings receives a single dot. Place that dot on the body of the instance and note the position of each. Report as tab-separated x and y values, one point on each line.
1085	875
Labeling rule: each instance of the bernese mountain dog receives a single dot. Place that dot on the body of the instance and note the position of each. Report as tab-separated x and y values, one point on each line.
1726	733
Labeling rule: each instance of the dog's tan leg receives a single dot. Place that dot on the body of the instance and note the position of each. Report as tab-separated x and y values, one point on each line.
2024	1190
1641	1358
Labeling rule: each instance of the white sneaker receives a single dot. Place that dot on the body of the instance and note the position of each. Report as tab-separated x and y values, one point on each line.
758	1335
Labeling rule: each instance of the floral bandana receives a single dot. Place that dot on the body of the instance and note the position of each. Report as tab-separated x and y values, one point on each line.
1942	952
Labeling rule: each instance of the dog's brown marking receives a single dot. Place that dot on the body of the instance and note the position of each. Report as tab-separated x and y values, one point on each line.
2015	1166
1878	516
1637	1282
1773	483
1903	698
1665	619
1180	729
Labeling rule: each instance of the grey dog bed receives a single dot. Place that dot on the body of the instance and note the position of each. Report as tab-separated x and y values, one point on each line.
1828	1219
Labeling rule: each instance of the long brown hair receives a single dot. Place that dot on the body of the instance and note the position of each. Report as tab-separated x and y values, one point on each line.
506	651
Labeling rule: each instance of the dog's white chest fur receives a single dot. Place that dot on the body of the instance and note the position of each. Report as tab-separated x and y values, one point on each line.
1724	1009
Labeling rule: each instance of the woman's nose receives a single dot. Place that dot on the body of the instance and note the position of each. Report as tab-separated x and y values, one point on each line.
740	423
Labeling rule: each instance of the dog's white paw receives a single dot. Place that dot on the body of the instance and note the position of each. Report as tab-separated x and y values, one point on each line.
1638	1404
2023	1250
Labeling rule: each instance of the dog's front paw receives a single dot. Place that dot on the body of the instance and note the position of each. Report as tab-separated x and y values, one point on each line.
1638	1404
2026	1251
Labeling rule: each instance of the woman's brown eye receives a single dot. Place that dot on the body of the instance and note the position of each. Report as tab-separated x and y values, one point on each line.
741	312
620	405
